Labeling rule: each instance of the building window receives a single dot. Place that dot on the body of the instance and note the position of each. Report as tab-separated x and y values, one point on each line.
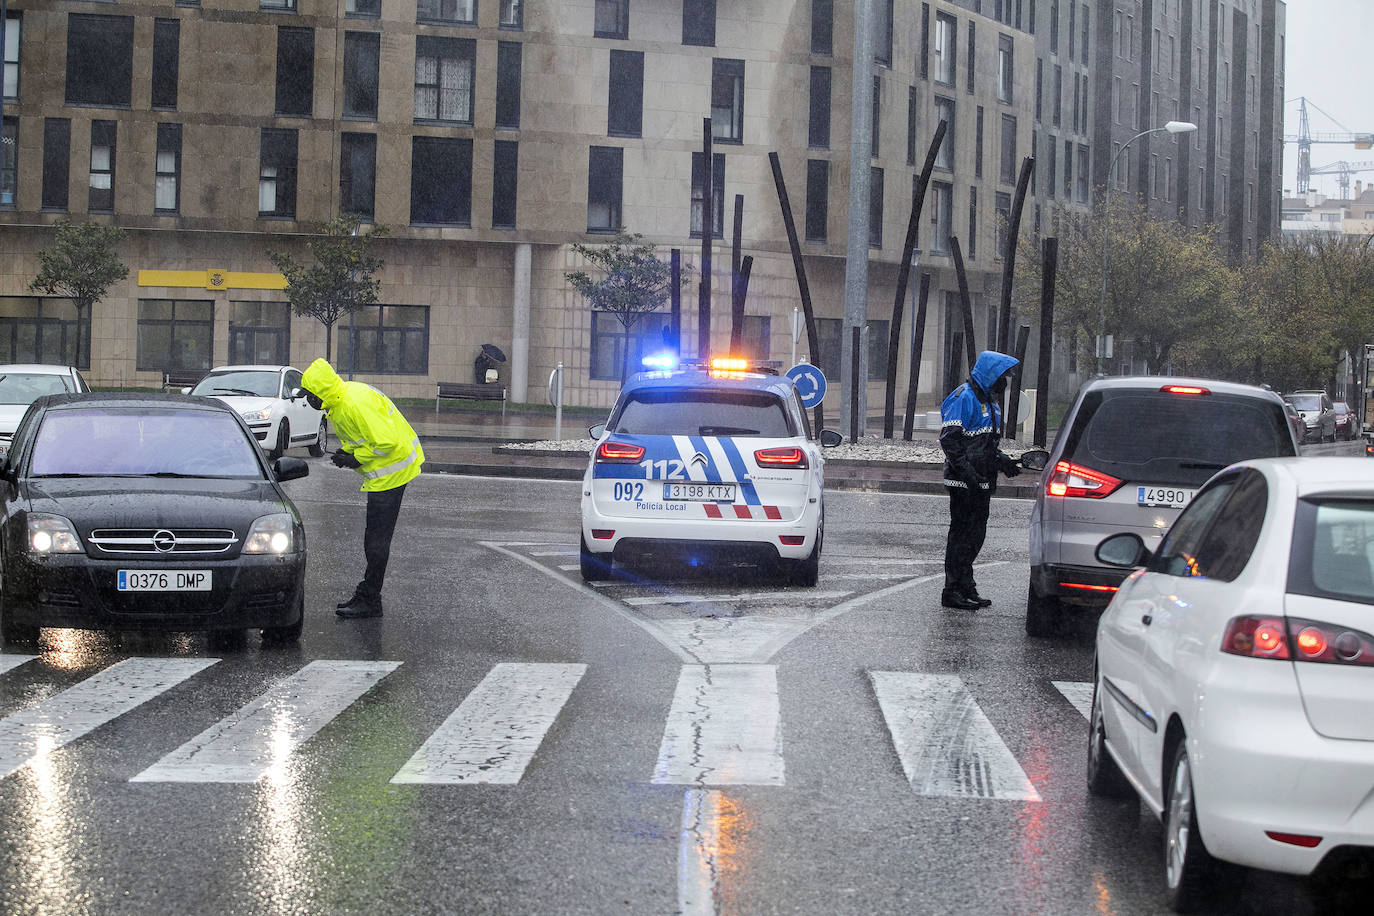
10	80
166	44
38	330
358	174
511	14
295	72
911	126
614	349
167	169
1058	112
440	181
944	49
818	128
756	337
9	173
828	333
387	340
1083	53
175	334
875	208
878	339
972	222
1003	205
699	22
972	56
882	32
1068	169
822	27
102	166
1005	71
1051	170
1153	177
1039	87
361	53
57	143
1008	173
817	199
625	105
260	333
1054	25
605	175
277	173
1082	174
941	215
611	19
978	145
944	111
279	6
505	173
727	100
443	79
450	12
100	56
717	194
876	123
509	55
362	9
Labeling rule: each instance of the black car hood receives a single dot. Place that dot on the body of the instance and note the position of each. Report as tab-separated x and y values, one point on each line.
143	502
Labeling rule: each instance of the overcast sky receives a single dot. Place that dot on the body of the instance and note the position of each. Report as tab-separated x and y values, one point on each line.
1331	62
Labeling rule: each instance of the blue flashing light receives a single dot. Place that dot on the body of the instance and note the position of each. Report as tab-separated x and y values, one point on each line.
660	361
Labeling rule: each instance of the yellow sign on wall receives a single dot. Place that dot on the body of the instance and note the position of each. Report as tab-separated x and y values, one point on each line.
212	279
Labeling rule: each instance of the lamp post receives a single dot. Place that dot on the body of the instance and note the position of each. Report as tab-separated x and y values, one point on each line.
1172	127
353	307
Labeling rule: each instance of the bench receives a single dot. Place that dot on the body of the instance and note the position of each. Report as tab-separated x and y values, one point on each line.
469	392
181	378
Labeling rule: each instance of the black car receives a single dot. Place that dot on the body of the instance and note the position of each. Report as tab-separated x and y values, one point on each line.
137	512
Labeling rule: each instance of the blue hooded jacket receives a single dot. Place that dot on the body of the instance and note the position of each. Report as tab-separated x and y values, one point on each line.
971	426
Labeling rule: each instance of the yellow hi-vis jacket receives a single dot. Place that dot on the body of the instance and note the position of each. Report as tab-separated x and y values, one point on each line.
369	427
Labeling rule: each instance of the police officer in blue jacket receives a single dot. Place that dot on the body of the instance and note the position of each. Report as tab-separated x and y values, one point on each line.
970	429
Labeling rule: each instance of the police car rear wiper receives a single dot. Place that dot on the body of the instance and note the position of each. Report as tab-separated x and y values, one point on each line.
726	431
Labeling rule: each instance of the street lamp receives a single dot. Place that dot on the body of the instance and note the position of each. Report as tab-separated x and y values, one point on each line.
1172	127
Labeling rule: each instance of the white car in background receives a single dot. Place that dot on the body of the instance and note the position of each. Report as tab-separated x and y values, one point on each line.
23	383
1233	688
270	400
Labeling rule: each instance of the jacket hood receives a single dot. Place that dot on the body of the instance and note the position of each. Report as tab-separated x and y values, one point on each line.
989	367
320	379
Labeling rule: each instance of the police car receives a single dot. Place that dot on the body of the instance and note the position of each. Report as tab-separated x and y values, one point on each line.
711	464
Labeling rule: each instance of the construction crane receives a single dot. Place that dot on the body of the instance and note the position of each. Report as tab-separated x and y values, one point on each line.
1343	171
1305	139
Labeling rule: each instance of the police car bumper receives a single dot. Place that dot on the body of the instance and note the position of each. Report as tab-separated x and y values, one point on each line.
790	539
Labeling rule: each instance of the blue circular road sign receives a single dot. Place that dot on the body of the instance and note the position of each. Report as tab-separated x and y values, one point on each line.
810	382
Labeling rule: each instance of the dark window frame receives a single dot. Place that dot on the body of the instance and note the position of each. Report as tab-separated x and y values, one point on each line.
278	150
168	141
166	63
195	334
717	196
368	343
505	184
446	53
727	74
353	181
362	59
57	161
441	164
247	335
817	200
25	337
607	333
436	13
295	73
620	19
818	123
699	23
875	208
99	60
509	63
625	94
605	187
823	27
101	199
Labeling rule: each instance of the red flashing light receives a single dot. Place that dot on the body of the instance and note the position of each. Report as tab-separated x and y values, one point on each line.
1255	637
1294	839
1185	389
1311	642
1071	479
618	453
784	457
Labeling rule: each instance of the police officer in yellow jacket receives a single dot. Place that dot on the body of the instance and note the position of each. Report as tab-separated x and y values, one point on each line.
379	444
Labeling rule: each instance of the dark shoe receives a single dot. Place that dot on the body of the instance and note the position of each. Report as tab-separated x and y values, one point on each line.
958	601
358	606
980	600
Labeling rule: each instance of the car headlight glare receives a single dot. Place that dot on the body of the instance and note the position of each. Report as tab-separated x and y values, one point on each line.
271	534
52	534
264	413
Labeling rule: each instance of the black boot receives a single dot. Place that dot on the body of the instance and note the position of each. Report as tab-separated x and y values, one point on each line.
360	606
958	601
980	600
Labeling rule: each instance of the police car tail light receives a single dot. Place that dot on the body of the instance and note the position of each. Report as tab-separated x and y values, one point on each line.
619	453
1071	479
785	457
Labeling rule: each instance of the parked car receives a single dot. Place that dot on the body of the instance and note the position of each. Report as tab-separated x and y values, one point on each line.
136	511
1129	456
1296	421
270	400
21	384
1316	411
1233	688
1346	421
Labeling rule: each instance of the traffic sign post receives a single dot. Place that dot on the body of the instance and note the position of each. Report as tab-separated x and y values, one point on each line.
810	382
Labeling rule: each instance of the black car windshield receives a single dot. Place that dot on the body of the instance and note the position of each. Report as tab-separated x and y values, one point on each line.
1305	401
244	382
142	442
702	412
26	387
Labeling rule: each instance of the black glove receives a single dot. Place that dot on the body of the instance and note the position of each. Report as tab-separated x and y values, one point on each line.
1010	466
343	459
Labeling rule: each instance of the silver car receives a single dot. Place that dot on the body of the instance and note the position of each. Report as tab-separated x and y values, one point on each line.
1129	456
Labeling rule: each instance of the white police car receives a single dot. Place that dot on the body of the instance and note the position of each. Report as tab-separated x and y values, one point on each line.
706	464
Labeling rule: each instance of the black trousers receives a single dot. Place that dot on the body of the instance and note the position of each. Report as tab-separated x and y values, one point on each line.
383	508
968	526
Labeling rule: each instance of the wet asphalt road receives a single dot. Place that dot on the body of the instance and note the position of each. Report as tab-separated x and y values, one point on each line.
689	744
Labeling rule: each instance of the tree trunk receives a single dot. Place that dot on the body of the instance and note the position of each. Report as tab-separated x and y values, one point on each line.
328	339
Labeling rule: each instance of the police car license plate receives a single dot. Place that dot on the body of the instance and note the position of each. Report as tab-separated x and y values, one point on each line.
1171	497
180	580
700	492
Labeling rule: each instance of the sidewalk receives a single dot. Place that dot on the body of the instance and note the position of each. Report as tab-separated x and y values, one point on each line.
522	444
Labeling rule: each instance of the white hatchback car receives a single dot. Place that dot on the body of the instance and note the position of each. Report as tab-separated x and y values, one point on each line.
23	383
1234	681
706	465
270	401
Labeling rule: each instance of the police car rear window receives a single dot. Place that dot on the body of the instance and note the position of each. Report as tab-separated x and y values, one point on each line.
703	412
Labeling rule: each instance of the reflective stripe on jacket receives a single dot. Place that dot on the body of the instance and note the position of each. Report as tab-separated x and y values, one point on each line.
369	427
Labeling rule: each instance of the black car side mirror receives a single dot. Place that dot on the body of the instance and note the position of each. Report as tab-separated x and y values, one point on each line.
1035	459
830	438
1125	550
290	468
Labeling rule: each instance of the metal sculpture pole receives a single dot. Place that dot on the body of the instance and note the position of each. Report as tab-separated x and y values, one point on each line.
736	294
918	343
1009	256
964	301
675	299
707	225
1014	392
798	267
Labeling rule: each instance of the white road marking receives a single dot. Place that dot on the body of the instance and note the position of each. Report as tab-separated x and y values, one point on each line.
494	733
32	733
947	746
722	728
881	561
1079	693
673	598
10	662
699	849
867	576
258	739
560	552
570	567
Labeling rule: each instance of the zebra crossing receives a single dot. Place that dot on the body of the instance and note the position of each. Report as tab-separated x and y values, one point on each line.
723	727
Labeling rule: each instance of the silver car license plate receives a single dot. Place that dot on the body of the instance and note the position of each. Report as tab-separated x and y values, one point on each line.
1170	497
700	492
178	580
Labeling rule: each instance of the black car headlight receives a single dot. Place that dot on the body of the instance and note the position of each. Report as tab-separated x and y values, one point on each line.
271	534
52	534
